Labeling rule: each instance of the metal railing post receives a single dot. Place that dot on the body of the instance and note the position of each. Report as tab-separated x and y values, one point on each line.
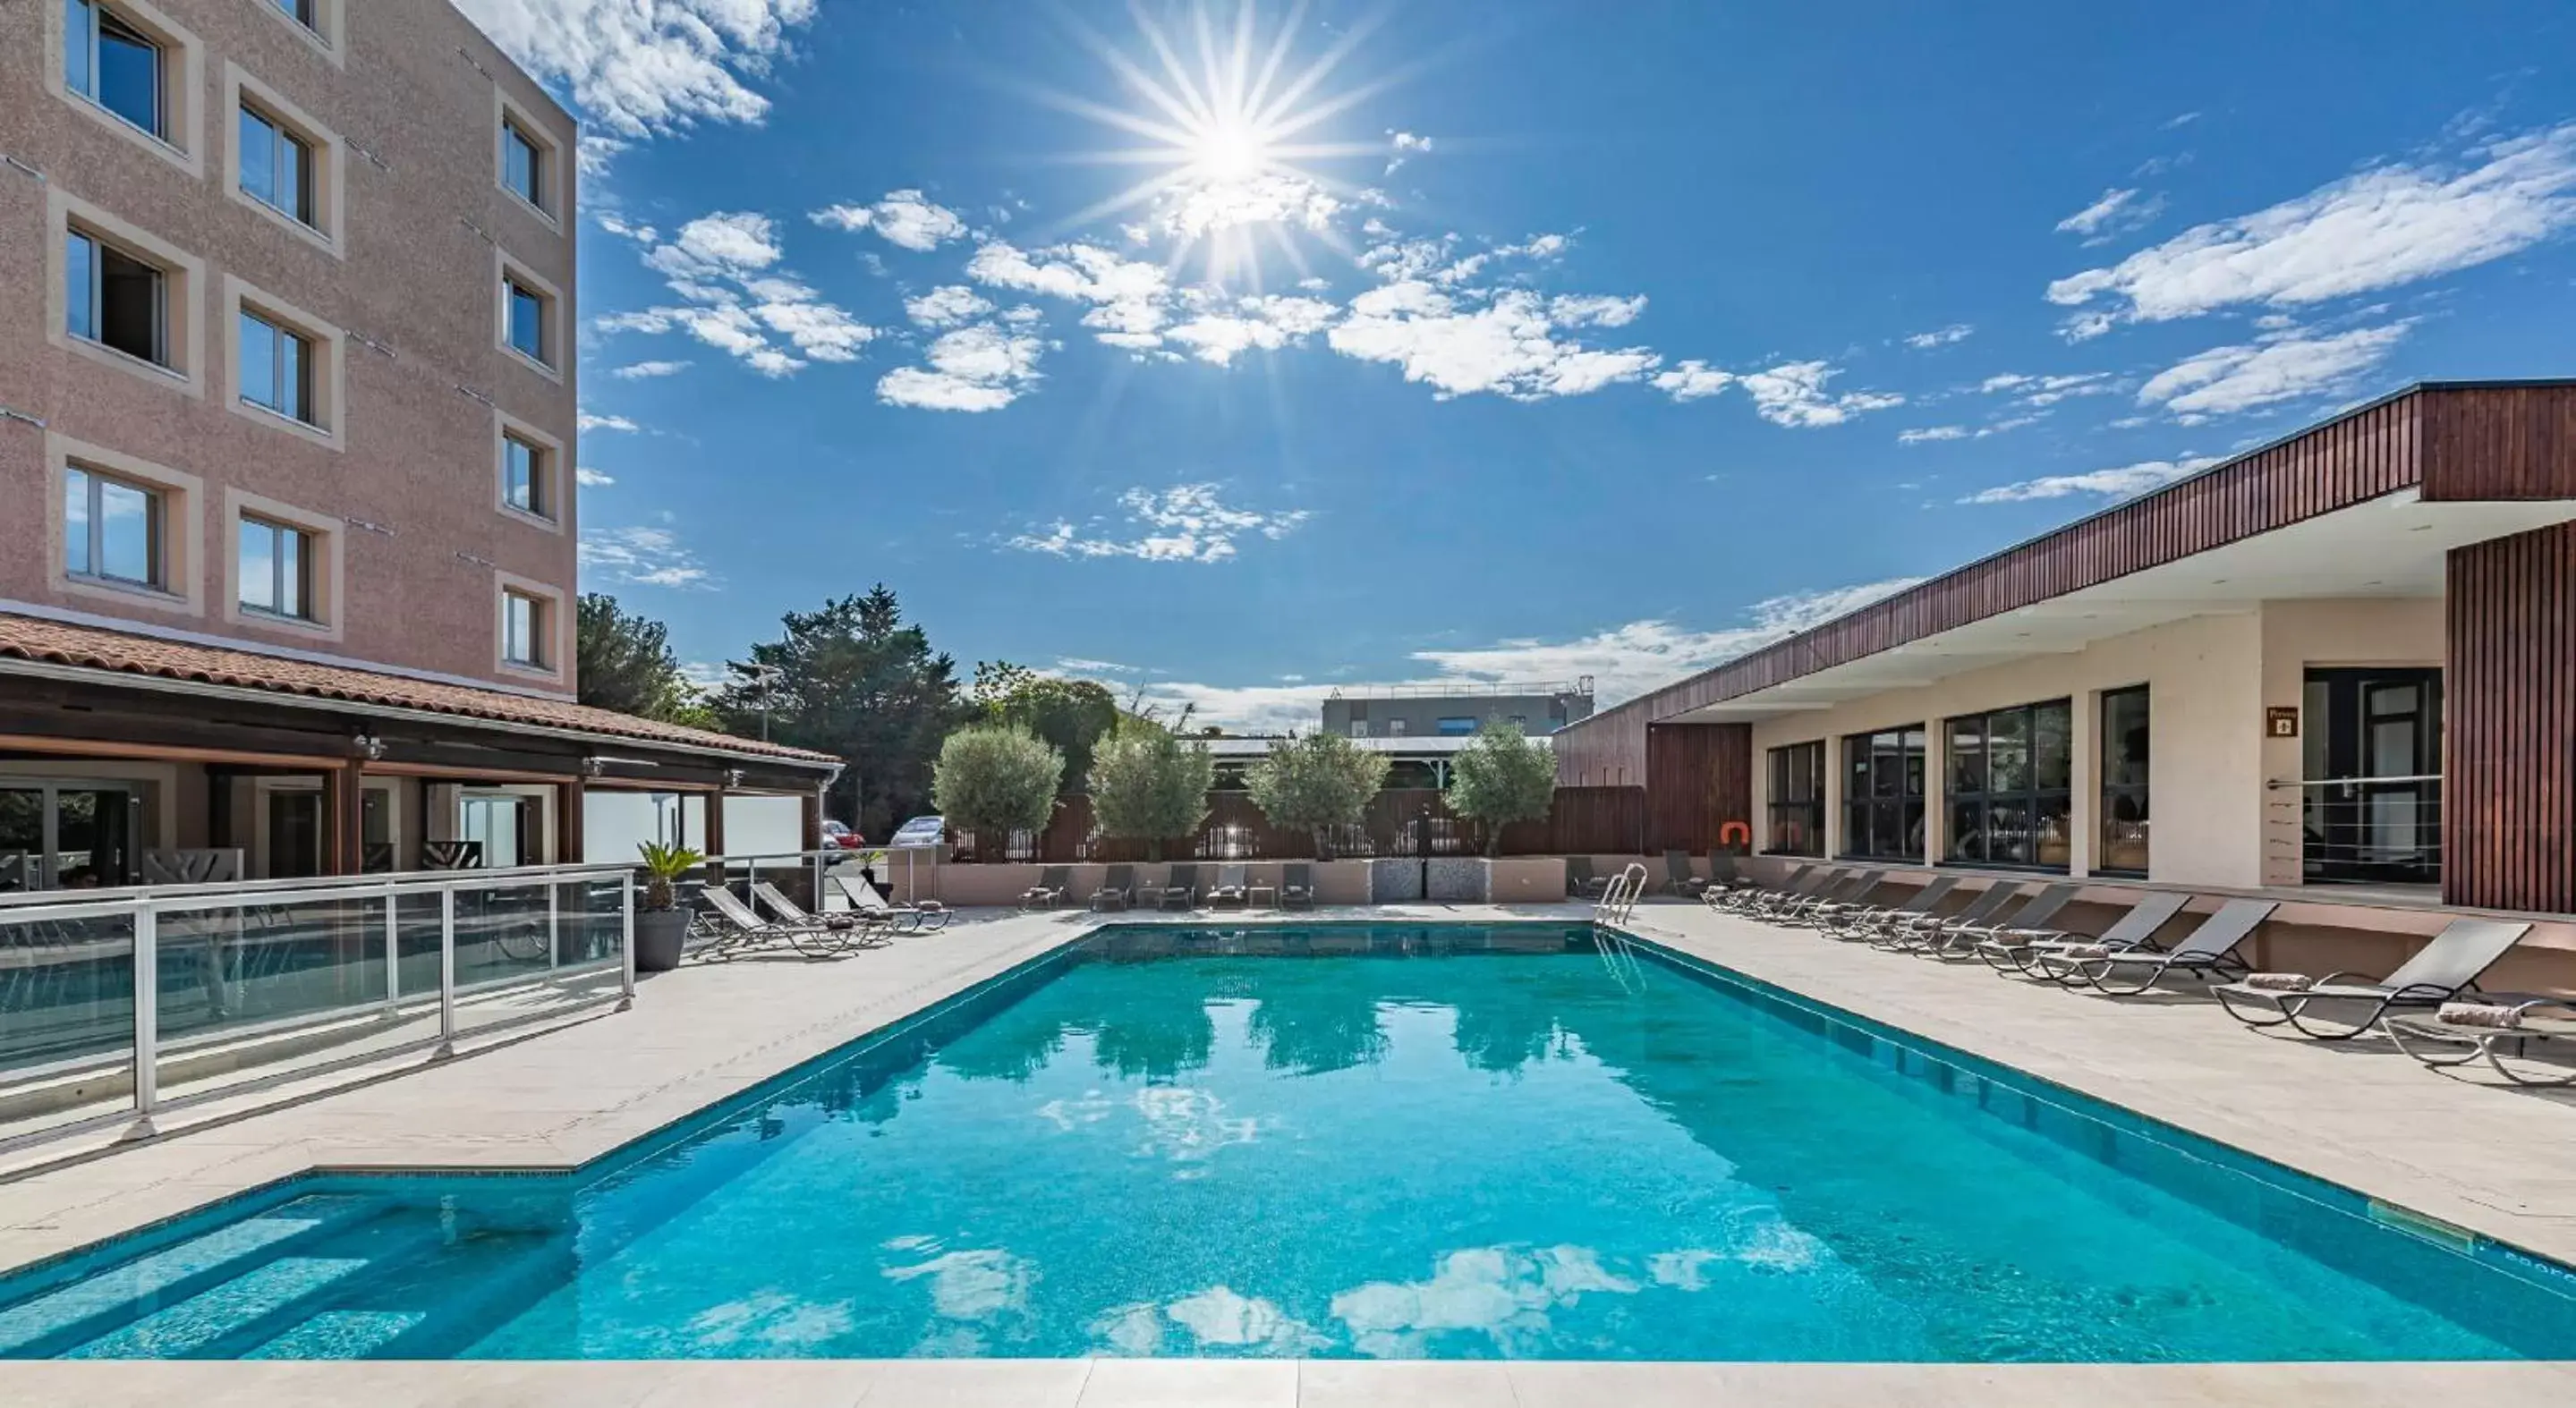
626	945
819	905
554	927
393	949
147	1016
446	972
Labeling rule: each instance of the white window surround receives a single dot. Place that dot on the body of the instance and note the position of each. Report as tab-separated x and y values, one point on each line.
328	372
183	276
557	482
329	203
555	623
183	82
325	570
554	154
183	582
325	31
507	271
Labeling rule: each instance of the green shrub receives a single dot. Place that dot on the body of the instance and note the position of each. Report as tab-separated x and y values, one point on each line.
995	779
1149	786
1321	780
1501	778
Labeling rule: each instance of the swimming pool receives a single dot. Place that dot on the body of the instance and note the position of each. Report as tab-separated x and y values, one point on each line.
1340	1140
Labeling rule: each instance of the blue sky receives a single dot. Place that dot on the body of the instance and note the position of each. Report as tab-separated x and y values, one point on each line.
1511	341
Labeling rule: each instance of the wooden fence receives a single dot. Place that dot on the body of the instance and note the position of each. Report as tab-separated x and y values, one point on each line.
1583	821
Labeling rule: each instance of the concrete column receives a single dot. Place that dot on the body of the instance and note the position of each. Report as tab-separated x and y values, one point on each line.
1936	792
2084	782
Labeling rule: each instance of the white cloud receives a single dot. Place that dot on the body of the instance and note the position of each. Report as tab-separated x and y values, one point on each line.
722	266
1185	523
639	557
640	69
2044	391
1129	298
589	422
1262	200
2116	212
1408	142
590	478
1931	433
641	370
1477	342
2278	366
980	368
946	306
1505	1293
1601	310
2115	483
905	218
1691	380
1941	337
1268	322
2389	225
1793	394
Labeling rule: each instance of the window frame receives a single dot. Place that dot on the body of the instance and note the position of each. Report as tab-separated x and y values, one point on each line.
540	496
324	567
282	139
2110	794
539	659
325	365
319	24
511	275
156	530
175	549
300	378
181	321
550	148
178	100
324	165
95	298
1903	804
280	533
1784	769
2036	799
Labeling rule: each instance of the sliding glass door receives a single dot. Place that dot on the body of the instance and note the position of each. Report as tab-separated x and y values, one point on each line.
2371	806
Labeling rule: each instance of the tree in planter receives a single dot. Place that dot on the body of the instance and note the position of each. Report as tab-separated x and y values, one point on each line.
994	779
1149	786
1501	778
1074	715
1319	781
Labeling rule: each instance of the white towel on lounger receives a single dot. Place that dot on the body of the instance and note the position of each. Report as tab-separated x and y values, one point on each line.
2279	982
2479	1014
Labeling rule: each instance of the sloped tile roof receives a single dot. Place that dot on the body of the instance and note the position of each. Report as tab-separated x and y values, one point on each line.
118	652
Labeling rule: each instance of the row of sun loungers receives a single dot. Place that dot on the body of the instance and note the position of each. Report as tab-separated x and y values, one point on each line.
1180	889
2431	1007
727	927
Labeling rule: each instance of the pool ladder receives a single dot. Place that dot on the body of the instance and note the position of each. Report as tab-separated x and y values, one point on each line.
1618	958
1620	897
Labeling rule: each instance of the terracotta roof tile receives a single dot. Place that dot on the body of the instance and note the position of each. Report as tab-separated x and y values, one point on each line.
89	647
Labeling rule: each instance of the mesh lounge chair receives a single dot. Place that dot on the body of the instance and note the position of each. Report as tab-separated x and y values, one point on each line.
1579	879
1748	893
867	929
1117	888
1678	878
1296	887
928	916
1722	874
1820	883
1863	923
1229	888
2455	1034
1838	885
2206	952
1183	886
1924	929
2012	950
734	929
1812	911
1050	889
1961	940
2445	970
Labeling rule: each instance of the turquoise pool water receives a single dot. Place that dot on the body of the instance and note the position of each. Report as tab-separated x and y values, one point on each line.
1420	1141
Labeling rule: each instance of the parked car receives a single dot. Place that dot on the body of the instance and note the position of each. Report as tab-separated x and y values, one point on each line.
839	836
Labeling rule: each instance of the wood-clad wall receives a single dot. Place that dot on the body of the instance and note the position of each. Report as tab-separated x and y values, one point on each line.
2499	442
2509	741
1699	778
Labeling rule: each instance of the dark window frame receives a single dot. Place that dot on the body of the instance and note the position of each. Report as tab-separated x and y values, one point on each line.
2114	796
1986	818
1793	801
1883	819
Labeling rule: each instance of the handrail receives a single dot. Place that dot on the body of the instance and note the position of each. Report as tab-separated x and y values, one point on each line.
2283	783
1619	898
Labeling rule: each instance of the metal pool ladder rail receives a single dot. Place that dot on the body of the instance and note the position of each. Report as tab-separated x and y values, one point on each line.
1620	896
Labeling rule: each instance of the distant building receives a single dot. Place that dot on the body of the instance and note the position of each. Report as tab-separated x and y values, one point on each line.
1399	712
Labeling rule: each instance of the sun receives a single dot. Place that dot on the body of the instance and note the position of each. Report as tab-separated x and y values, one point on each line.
1228	151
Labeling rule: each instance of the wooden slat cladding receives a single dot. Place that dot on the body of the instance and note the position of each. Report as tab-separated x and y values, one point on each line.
2500	442
1699	777
2509	741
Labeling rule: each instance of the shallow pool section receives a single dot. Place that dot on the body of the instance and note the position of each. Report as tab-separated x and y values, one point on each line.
1341	1140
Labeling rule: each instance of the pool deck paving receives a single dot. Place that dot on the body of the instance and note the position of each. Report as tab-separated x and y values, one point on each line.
2499	1161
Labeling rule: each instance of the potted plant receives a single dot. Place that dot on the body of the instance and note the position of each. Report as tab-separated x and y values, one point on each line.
662	925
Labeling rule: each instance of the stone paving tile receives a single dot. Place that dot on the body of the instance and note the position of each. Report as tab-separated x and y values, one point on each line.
1191	1383
1351	1383
978	1383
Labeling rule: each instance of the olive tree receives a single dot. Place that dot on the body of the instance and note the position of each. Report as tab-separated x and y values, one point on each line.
1318	781
1500	778
1150	786
995	779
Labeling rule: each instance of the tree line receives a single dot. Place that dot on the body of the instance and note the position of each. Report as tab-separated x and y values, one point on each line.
854	680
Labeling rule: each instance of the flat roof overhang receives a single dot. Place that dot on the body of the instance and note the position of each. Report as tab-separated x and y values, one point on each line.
2393	547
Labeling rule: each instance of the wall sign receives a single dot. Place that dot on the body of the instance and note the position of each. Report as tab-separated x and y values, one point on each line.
2281	721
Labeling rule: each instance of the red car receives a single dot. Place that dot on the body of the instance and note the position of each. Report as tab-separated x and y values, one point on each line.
838	834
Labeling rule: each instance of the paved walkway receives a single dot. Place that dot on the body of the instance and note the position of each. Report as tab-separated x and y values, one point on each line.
2501	1165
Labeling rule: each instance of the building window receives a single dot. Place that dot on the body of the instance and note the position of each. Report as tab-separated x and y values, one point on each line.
1794	804
300	11
277	369
275	569
526	309
525	477
523	164
1395	728
114	299
276	166
1455	727
2124	782
2008	780
1883	794
113	531
523	630
114	65
1359	728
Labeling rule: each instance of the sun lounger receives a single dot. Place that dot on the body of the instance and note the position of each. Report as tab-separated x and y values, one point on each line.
1723	875
1117	888
2445	970
2206	952
2456	1033
1851	894
1678	878
1745	894
880	919
1579	879
2011	950
1961	940
734	929
1050	890
928	916
1863	923
1296	887
1181	891
1805	883
1229	888
1927	928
